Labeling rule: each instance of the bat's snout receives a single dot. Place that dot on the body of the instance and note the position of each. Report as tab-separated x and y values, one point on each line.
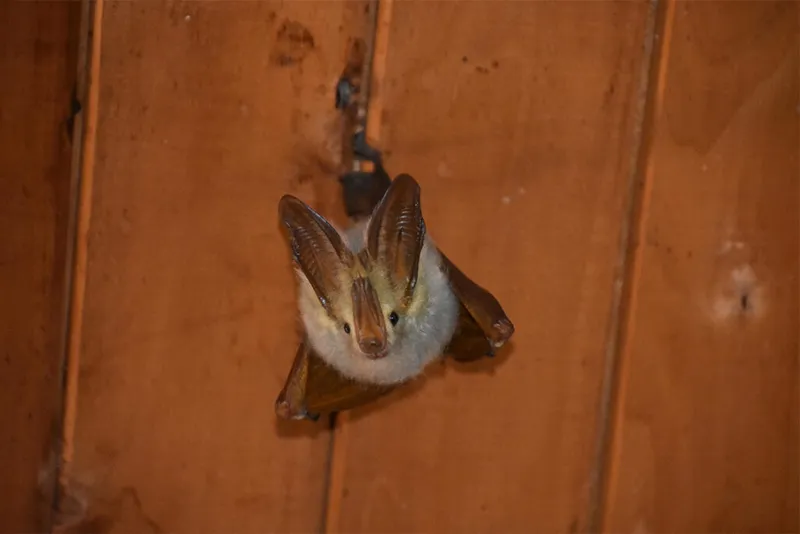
370	329
373	347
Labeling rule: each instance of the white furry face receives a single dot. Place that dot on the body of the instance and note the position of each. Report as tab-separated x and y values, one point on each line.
375	303
420	335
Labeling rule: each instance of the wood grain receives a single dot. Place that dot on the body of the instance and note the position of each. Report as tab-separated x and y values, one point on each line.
37	69
517	120
208	113
707	421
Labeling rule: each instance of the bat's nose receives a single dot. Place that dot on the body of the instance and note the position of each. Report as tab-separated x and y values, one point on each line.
370	330
373	347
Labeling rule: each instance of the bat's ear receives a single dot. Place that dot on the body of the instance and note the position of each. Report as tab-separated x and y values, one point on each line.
317	248
396	233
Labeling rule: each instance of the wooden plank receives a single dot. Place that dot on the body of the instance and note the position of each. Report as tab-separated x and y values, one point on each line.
37	69
707	421
208	113
517	119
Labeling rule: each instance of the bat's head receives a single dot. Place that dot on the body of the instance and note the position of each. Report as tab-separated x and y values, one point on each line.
375	304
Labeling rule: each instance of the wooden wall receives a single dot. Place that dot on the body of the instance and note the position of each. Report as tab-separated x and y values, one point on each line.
706	435
622	175
38	50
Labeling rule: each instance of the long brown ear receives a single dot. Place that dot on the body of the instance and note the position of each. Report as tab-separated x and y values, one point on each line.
317	248
396	233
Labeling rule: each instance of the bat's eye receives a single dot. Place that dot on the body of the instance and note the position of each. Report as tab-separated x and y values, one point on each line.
346	328
393	318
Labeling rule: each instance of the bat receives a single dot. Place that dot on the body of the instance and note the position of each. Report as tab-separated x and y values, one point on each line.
379	302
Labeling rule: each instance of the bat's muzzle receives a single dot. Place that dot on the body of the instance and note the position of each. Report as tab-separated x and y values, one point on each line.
370	328
373	348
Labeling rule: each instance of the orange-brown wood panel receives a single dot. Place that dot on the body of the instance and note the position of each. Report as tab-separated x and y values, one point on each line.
37	69
208	113
707	429
518	120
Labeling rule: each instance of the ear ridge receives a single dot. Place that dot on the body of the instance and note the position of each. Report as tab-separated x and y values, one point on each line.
396	233
317	248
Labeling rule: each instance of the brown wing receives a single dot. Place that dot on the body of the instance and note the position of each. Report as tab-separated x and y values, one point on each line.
483	326
314	388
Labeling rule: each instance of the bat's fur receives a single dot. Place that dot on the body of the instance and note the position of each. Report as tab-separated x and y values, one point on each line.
418	338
